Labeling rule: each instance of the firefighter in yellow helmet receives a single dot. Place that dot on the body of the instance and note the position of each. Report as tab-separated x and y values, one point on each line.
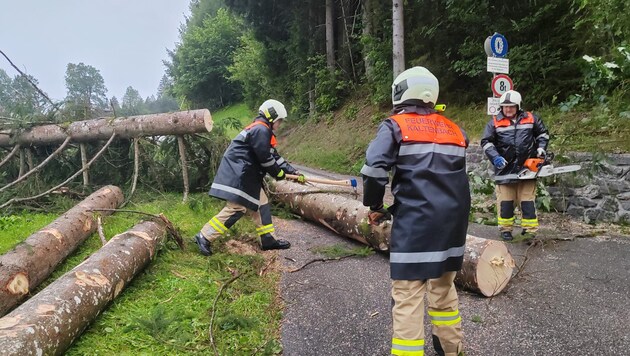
426	155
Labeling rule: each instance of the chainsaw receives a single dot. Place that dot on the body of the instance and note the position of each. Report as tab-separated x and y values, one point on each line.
542	167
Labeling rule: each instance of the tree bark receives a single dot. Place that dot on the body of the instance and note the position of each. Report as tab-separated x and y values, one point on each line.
330	35
32	261
487	266
398	30
368	33
49	322
22	163
182	158
84	160
177	123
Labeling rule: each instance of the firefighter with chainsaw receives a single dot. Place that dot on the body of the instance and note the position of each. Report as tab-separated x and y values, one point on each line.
426	153
509	140
239	179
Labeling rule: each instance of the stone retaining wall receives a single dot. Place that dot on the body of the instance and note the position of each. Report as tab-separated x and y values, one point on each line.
600	191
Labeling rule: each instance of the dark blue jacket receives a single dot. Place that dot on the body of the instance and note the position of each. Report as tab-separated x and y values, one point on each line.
515	141
427	158
249	157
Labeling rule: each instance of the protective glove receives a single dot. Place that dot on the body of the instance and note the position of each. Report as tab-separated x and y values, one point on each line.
499	162
540	152
281	175
301	179
378	214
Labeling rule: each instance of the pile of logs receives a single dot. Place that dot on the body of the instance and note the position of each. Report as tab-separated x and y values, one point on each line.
48	322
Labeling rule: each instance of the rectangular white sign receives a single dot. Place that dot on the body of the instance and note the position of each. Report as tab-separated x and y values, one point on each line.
493	106
498	65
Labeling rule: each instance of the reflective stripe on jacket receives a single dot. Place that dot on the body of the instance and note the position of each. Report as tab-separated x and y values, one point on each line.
515	141
427	154
249	157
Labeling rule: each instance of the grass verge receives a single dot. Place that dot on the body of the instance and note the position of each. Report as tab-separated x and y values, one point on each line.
166	309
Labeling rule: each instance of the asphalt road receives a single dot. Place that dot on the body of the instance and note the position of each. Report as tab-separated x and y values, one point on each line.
571	297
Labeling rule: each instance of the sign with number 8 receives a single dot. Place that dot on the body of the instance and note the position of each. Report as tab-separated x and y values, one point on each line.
501	84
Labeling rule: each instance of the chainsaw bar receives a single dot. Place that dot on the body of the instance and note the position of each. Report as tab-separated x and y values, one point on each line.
550	170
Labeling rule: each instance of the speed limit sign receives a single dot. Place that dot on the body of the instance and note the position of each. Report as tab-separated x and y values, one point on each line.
501	83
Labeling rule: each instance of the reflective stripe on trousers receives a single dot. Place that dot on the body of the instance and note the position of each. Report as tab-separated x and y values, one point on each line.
522	194
408	315
232	212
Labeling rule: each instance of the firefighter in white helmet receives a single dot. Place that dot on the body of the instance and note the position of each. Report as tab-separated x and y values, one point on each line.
250	156
426	153
510	138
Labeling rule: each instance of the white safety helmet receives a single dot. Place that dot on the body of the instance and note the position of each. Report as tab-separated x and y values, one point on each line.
273	110
415	83
509	98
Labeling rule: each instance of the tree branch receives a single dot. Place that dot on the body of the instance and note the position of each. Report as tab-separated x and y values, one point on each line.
16	200
29	80
27	174
6	159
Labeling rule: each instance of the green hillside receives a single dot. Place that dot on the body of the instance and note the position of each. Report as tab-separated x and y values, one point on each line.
338	141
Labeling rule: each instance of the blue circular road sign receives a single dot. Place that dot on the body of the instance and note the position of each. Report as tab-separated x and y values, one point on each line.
498	45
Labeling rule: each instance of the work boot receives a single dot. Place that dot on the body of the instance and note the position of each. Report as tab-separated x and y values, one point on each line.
507	236
204	244
268	242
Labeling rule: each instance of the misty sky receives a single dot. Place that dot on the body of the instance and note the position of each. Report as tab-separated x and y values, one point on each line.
126	40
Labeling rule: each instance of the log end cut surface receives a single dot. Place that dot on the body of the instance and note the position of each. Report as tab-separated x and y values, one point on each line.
18	285
494	268
207	120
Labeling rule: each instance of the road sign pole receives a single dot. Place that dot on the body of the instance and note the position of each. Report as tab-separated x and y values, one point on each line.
496	48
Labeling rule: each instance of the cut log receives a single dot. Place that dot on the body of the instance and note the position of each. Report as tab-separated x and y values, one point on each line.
32	261
488	265
177	123
48	323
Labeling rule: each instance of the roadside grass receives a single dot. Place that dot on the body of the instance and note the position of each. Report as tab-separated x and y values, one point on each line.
16	228
337	144
240	112
166	309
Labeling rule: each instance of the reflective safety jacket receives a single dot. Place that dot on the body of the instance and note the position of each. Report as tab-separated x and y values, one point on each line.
249	157
426	153
515	141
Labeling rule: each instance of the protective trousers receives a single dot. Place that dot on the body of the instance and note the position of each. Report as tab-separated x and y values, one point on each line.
510	195
232	212
408	316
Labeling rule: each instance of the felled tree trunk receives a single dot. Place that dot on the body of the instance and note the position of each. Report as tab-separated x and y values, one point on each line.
487	266
48	323
177	123
32	261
